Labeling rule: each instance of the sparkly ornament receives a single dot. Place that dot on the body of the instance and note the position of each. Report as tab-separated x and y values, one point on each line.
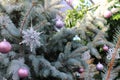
59	24
99	66
111	52
76	38
107	14
105	48
5	46
31	38
23	72
109	57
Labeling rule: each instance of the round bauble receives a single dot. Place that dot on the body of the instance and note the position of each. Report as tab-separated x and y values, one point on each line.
76	38
105	48
59	24
23	72
81	70
5	46
99	67
107	14
77	74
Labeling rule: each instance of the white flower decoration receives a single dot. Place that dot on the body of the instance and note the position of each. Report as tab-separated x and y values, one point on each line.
31	38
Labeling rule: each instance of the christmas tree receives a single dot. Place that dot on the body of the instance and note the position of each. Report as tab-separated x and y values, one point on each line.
49	40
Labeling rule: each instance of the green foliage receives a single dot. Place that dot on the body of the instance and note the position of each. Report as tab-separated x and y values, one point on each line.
116	35
76	14
45	68
116	16
114	23
60	56
73	16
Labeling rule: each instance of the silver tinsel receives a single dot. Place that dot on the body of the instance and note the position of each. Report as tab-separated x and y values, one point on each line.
31	38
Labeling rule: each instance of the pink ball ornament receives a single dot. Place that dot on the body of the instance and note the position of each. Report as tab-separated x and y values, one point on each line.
107	14
81	70
5	46
23	72
105	48
59	24
99	67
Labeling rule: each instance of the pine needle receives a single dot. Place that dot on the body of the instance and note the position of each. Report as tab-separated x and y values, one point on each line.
25	18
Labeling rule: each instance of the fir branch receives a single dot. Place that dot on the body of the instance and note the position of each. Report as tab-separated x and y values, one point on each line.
41	24
25	18
94	30
113	59
4	26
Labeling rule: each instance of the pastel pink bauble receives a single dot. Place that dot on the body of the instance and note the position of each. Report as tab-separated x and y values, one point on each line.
59	24
81	70
107	14
105	48
5	46
23	72
99	67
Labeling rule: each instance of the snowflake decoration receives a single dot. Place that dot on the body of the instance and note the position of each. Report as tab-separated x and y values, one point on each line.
31	38
110	52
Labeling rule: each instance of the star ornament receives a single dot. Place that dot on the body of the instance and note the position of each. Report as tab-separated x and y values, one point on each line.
31	38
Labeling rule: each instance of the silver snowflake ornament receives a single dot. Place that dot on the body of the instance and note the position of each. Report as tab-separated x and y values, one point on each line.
110	53
31	38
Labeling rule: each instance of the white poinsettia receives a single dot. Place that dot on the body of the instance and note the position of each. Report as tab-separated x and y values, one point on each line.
31	38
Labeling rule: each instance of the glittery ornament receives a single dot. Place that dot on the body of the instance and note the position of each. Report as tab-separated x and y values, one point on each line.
31	38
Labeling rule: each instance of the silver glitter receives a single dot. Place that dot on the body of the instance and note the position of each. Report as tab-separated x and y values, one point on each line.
110	53
31	38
